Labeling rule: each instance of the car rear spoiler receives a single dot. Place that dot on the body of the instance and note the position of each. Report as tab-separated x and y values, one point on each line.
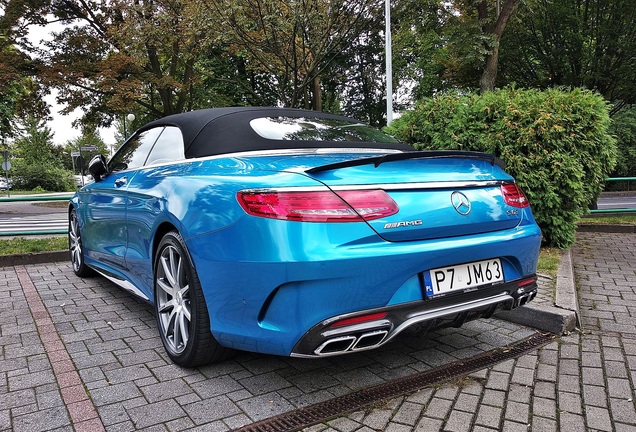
393	157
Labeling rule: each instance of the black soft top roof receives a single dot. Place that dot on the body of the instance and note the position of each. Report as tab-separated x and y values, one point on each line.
216	131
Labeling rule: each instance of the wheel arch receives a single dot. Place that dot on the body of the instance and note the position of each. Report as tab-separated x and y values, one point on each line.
163	229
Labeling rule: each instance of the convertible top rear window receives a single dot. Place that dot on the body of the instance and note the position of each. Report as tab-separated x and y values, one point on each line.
317	129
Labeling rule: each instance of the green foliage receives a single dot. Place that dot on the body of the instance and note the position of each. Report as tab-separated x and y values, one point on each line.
555	143
43	178
588	43
90	137
624	129
36	162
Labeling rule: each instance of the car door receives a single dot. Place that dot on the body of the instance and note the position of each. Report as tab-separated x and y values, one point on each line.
147	194
106	235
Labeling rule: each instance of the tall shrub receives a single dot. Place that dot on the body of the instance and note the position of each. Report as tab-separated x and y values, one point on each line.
555	142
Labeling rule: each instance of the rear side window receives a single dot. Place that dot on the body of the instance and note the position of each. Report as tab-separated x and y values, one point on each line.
134	152
317	129
168	148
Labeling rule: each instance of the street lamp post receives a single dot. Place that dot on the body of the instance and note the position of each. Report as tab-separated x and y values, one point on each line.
389	63
131	118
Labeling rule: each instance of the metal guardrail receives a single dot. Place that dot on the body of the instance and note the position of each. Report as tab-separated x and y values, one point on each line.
31	198
616	210
37	198
66	197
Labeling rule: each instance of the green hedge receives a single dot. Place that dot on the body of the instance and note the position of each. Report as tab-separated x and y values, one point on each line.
43	177
554	142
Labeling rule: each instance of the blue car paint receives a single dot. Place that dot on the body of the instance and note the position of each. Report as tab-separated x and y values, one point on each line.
308	286
266	282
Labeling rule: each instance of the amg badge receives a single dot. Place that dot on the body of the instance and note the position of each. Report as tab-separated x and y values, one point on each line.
402	224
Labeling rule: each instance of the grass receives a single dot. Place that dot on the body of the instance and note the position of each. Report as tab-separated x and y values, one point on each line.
21	245
549	261
598	219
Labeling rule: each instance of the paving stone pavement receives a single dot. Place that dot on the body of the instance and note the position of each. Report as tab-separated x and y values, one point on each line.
87	356
584	381
84	355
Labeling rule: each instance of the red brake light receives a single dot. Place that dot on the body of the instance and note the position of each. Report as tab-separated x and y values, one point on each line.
514	196
359	319
318	206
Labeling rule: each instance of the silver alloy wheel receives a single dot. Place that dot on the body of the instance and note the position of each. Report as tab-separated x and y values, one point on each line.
75	243
173	299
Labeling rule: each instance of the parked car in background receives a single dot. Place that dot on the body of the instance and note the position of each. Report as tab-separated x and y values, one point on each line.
81	180
300	233
5	184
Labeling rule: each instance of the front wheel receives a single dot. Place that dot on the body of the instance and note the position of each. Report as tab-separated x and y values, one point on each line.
180	308
76	248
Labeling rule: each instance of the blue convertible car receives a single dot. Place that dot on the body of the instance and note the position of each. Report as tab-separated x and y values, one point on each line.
300	233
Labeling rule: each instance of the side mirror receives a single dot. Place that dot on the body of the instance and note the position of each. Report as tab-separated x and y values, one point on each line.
98	167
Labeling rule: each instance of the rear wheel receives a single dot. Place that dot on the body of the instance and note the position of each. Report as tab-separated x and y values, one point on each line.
76	248
180	308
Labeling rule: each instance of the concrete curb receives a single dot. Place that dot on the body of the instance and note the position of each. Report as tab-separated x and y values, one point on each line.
559	318
34	258
614	228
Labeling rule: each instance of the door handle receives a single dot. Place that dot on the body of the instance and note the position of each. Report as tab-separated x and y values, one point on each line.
121	181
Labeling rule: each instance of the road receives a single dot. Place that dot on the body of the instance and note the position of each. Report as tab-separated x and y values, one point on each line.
22	217
51	215
617	200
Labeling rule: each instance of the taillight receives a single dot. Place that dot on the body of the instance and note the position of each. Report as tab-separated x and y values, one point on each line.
359	319
318	206
514	196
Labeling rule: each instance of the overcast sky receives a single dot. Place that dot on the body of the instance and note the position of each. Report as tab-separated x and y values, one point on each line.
61	125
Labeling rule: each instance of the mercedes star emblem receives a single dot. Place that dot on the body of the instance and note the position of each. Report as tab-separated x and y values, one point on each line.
461	203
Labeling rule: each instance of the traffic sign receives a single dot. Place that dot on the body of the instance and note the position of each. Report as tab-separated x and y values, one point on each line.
88	148
6	165
75	154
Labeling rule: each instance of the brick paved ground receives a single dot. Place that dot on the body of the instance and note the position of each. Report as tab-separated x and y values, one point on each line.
105	345
585	381
111	371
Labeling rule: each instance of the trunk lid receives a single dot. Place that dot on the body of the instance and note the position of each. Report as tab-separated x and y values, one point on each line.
439	194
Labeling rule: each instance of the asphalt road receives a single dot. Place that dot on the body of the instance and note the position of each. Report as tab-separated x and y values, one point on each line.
617	200
57	209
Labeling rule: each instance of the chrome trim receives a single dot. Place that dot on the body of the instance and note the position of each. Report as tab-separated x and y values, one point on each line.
386	186
414	318
357	327
318	351
427	185
122	283
299	151
362	337
448	310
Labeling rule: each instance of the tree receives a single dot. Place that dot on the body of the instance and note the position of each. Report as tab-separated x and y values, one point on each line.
119	57
36	160
418	46
293	43
90	138
20	95
574	43
442	45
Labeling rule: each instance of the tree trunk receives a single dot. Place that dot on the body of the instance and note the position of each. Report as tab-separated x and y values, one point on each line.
316	94
488	77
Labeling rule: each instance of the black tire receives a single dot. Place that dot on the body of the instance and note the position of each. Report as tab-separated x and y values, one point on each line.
76	248
180	308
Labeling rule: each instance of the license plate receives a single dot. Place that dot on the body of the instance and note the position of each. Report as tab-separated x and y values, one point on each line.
464	276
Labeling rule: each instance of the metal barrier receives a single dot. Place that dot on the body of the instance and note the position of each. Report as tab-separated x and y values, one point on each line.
31	198
67	196
616	210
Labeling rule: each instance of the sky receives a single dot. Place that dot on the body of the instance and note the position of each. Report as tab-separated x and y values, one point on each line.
61	125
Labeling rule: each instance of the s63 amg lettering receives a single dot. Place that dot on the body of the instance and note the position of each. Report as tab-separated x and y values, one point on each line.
300	233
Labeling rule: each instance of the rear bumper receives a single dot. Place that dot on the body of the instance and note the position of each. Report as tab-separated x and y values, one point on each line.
325	339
